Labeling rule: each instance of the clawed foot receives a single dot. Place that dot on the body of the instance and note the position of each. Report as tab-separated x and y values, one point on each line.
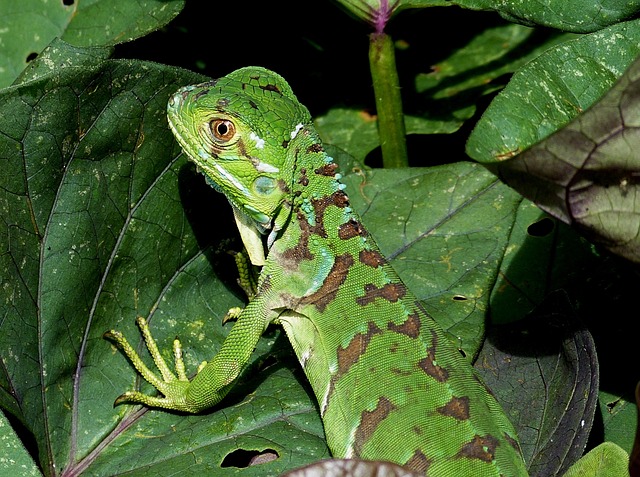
173	387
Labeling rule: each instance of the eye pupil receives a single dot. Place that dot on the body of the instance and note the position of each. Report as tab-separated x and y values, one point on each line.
222	129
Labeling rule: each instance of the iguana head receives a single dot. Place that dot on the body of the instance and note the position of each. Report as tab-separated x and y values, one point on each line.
237	130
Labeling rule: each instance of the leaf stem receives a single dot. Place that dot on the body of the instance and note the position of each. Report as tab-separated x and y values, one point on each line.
386	87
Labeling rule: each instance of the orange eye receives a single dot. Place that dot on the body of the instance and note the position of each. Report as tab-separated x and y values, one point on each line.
222	129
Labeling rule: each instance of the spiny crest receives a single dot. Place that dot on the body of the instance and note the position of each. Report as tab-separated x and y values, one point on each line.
237	130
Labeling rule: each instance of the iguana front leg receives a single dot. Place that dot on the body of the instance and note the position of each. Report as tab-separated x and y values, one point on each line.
213	379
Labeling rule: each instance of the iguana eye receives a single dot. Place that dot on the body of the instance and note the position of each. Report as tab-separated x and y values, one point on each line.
222	129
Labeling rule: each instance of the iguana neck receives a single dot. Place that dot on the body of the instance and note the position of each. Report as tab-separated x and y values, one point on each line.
315	186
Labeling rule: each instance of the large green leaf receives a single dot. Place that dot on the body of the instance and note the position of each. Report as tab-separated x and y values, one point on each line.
100	225
553	359
553	89
568	15
584	174
30	25
445	231
453	86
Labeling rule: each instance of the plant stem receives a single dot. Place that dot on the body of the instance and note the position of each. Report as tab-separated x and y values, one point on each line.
386	87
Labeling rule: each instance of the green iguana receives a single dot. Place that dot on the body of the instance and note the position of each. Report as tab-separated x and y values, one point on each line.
389	383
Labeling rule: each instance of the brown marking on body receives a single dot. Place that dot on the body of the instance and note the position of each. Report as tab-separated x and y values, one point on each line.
338	198
332	283
304	180
349	355
315	147
350	229
410	327
428	364
282	185
328	170
300	251
392	292
418	462
369	422
480	447
457	407
371	258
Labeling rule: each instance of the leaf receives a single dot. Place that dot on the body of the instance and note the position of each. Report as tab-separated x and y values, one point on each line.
584	174
452	88
550	91
444	230
357	131
552	358
617	412
578	16
30	25
606	460
100	223
14	458
587	173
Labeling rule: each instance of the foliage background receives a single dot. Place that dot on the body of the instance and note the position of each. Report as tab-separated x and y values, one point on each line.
88	162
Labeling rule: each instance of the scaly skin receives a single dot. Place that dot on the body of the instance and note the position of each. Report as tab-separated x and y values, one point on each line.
389	383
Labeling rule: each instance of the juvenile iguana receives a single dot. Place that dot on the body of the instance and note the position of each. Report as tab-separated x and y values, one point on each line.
389	383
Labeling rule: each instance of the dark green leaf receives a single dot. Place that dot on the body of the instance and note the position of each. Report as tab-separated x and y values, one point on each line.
451	90
552	358
14	458
553	89
445	230
357	131
579	16
28	26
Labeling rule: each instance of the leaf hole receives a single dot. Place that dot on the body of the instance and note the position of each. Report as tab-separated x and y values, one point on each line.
459	298
68	2
31	56
541	228
242	459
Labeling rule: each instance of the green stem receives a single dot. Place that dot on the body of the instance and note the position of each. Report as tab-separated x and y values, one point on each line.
386	87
